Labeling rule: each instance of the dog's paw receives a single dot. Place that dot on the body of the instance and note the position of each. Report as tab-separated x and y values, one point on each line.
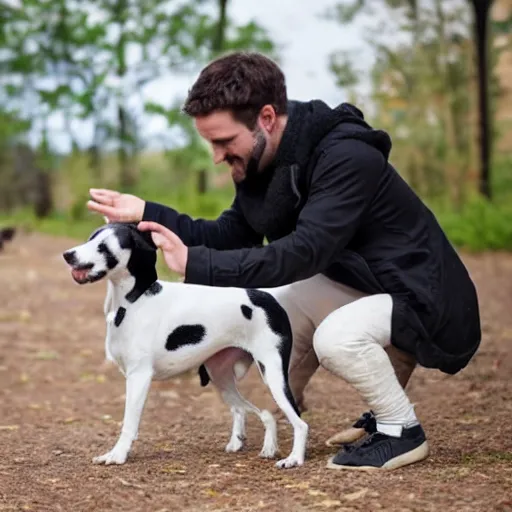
268	452
290	462
234	445
112	457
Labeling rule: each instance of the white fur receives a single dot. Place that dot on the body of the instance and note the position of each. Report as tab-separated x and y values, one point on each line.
137	347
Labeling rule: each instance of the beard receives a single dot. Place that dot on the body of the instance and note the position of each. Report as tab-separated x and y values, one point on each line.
250	171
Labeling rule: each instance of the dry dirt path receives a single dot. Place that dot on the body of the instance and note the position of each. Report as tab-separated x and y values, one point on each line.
61	404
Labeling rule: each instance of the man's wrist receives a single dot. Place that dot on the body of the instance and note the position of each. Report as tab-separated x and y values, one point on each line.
198	267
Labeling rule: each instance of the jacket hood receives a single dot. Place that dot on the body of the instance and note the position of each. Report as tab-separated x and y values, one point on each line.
309	122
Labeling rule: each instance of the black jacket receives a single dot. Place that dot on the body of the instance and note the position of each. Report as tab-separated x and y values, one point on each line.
331	203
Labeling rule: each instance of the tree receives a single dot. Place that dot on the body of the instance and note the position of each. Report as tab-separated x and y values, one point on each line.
218	35
480	30
422	85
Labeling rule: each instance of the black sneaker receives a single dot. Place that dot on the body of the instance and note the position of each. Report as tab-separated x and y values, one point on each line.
366	424
380	451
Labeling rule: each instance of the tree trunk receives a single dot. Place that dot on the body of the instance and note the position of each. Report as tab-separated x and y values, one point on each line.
217	47
480	26
126	177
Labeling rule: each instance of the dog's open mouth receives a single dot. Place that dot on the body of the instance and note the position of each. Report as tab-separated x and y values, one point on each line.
81	274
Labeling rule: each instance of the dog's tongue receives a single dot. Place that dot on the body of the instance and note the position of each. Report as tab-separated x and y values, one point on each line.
79	274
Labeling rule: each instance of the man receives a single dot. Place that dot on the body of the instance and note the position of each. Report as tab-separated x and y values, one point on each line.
354	256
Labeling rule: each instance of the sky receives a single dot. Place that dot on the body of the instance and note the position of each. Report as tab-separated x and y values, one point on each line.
306	42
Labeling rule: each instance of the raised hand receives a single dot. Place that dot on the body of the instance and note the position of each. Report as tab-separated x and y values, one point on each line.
116	207
175	252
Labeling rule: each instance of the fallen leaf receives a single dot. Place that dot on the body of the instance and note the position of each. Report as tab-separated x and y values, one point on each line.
169	394
171	469
211	492
330	503
69	420
47	355
24	315
101	379
24	378
314	492
129	484
166	447
356	495
301	485
9	427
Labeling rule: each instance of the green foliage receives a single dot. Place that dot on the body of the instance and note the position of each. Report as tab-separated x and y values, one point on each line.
480	225
91	60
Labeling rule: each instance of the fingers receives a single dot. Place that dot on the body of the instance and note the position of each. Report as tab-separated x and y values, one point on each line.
104	192
158	228
161	241
104	196
106	211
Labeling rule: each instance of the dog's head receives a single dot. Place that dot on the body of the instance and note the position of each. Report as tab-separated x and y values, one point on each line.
113	250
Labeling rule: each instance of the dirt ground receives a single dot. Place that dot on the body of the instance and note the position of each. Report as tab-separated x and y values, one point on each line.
61	404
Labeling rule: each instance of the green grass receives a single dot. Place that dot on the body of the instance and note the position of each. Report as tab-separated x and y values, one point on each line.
480	225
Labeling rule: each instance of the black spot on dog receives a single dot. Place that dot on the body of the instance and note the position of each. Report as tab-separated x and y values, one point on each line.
278	321
185	335
262	368
246	311
110	259
203	375
119	316
96	277
154	289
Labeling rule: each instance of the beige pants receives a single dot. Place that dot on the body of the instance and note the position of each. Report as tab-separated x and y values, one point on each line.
348	332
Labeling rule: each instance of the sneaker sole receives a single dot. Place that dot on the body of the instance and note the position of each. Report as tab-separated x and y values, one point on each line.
418	454
346	436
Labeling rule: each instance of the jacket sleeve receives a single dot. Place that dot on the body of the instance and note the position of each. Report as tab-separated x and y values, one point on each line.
229	231
344	181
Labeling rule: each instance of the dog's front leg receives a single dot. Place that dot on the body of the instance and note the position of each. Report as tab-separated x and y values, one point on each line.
138	382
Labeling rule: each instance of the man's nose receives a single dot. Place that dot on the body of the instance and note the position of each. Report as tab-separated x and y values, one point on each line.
218	156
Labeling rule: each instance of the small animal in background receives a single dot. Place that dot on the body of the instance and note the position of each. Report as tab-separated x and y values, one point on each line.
157	330
6	235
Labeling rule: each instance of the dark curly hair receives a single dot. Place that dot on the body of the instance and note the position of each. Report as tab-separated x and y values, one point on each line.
242	82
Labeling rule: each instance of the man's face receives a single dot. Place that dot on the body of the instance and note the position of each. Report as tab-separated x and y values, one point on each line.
232	142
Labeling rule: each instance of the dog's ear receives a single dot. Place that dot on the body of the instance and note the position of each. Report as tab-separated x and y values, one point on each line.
143	239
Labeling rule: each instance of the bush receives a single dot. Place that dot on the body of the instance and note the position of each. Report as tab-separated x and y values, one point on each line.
480	225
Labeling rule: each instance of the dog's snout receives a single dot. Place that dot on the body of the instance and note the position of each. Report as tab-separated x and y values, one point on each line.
70	257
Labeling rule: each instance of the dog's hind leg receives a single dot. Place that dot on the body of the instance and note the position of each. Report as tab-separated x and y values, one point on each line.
226	384
270	360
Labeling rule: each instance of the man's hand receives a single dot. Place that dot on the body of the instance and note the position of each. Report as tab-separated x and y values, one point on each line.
116	207
174	250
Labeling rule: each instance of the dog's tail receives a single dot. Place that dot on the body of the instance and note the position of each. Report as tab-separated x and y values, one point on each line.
279	322
285	350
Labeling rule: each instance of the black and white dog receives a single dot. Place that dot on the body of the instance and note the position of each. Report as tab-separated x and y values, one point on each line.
157	330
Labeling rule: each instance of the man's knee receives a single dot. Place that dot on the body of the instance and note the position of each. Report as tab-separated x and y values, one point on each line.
348	329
